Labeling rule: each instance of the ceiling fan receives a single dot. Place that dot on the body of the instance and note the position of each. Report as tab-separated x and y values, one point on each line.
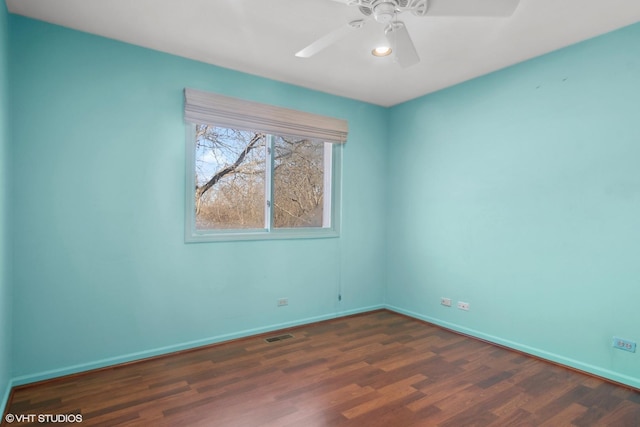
386	13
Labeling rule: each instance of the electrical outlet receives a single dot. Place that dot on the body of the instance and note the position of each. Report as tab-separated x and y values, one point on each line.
445	301
463	305
283	301
624	344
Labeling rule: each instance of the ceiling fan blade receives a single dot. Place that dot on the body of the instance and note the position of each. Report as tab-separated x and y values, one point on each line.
330	38
472	7
401	44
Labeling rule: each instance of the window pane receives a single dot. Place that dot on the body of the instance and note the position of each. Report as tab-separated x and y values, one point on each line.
298	183
230	178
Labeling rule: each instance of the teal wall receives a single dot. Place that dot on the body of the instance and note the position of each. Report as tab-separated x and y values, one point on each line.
5	260
519	192
101	270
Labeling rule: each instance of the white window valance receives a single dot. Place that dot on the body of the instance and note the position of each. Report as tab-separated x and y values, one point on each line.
219	110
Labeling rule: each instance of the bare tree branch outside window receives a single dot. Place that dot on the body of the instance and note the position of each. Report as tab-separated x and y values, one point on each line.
231	173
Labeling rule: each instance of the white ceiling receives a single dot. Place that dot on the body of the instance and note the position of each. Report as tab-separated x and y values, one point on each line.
261	37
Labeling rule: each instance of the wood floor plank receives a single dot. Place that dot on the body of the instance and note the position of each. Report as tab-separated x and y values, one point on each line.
565	417
374	369
386	394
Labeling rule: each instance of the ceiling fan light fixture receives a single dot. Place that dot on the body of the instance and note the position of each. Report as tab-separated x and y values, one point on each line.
381	51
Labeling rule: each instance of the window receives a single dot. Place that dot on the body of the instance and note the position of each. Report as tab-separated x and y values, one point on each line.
248	178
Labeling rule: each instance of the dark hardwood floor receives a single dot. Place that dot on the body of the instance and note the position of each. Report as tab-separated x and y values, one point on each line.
376	369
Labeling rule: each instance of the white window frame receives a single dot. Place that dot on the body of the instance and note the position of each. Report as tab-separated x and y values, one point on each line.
331	210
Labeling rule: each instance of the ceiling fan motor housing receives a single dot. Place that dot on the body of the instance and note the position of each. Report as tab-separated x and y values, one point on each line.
384	12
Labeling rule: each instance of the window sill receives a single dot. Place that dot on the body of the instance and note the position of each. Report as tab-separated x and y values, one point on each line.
253	235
